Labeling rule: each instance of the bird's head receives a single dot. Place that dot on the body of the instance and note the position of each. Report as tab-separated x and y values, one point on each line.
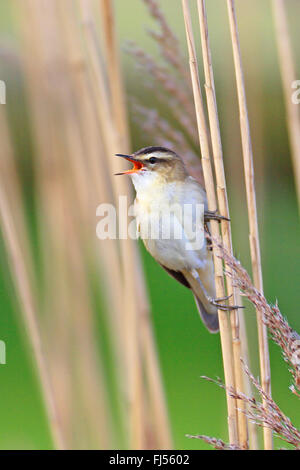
155	164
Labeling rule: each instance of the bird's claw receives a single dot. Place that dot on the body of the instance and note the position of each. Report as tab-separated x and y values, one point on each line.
222	299
213	215
224	308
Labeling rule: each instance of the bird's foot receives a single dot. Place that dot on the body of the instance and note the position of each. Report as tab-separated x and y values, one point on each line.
224	308
222	299
213	215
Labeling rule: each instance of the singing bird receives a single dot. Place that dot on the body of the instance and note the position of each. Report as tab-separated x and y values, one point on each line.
161	180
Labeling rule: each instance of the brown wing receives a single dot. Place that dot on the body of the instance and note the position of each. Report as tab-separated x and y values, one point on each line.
177	275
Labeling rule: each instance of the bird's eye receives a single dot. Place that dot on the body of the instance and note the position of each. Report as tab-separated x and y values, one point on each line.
152	160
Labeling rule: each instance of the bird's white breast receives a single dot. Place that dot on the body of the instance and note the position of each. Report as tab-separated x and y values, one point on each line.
172	244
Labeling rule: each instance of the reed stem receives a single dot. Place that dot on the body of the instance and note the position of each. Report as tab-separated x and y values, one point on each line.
251	204
161	431
12	233
224	210
114	72
225	332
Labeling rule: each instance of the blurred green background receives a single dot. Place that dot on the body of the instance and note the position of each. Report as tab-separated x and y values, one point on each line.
186	349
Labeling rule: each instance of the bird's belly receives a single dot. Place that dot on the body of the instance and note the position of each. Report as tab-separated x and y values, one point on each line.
173	255
171	246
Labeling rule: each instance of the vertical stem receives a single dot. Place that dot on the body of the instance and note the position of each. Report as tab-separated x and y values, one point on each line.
251	203
224	210
288	75
114	72
159	416
135	396
212	204
17	259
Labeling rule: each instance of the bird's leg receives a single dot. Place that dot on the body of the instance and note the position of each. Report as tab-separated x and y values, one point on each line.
197	277
224	308
222	299
211	300
213	215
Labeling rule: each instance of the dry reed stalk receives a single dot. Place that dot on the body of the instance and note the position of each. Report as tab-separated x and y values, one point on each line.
93	146
129	254
99	184
112	142
286	338
248	386
282	334
288	76
49	208
131	263
68	314
11	233
157	412
89	368
101	190
251	203
114	72
39	92
270	416
212	204
157	407
134	396
224	210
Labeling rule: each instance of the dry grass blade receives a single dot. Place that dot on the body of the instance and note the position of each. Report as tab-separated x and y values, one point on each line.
212	204
133	305
168	43
224	210
78	120
112	142
176	97
251	203
12	231
176	87
162	436
288	75
218	444
107	264
286	338
60	226
271	416
114	72
267	415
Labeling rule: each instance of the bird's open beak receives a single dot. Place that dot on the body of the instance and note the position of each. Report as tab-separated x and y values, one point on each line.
137	165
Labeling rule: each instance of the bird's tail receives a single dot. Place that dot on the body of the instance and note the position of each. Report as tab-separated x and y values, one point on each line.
210	320
202	283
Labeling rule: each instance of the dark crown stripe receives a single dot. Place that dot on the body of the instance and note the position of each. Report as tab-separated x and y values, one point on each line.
147	150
